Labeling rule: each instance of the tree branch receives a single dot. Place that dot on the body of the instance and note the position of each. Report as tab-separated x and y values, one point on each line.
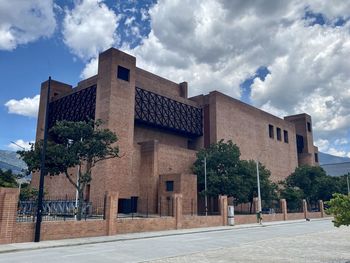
70	180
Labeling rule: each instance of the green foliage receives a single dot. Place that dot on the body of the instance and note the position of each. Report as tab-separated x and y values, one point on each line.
293	196
27	192
73	144
311	183
339	207
228	175
222	165
8	179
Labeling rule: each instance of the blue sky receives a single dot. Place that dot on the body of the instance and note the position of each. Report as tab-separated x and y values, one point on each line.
283	58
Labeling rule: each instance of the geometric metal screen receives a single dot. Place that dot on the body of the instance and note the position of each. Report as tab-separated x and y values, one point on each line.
79	106
162	112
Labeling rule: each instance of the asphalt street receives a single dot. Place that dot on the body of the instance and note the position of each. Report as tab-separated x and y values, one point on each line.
315	241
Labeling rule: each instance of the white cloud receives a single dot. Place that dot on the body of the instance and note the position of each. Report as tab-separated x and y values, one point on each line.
336	152
323	145
217	44
89	28
25	107
20	145
90	69
341	141
22	22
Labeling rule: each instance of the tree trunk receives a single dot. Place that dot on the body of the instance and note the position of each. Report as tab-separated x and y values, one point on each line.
80	203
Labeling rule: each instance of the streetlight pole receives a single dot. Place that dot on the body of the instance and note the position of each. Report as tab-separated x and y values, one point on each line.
205	186
42	170
259	194
347	182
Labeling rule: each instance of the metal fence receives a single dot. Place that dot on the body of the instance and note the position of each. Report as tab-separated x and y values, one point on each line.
145	207
58	209
271	206
313	207
294	206
212	206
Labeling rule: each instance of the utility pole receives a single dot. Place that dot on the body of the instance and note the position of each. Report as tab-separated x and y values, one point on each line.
347	182
205	186
259	194
39	210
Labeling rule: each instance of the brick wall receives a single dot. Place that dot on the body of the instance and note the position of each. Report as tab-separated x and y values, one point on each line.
24	232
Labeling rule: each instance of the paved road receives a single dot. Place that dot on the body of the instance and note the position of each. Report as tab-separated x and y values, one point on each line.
315	241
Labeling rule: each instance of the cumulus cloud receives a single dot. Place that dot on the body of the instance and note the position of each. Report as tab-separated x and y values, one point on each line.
20	145
90	69
89	28
218	44
22	22
26	107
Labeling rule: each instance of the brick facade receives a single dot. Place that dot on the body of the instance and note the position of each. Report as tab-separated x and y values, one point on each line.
150	150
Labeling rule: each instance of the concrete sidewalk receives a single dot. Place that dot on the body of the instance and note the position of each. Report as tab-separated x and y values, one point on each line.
15	247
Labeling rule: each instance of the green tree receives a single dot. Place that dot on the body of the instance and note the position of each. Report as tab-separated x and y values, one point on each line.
8	179
74	144
228	175
293	196
222	165
313	182
28	192
248	188
339	207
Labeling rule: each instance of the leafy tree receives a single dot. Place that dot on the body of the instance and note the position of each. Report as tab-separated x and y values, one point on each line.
74	144
8	179
228	175
312	183
28	192
222	166
339	207
293	196
249	189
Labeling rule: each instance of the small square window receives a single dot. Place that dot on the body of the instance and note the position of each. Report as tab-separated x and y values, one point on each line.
279	137
285	135
169	186
309	126
123	73
271	131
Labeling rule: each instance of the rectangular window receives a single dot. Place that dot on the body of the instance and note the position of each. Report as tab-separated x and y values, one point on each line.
285	135
309	126
316	157
279	137
271	131
123	73
169	186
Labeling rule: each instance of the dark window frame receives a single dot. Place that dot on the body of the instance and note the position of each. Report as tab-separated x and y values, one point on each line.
309	129
169	186
123	73
279	134
271	132
285	136
316	157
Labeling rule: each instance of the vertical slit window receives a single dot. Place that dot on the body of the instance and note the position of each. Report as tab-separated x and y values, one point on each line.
285	135
271	133
279	137
309	126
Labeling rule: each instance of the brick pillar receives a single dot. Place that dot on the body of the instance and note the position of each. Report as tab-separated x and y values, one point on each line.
223	208
177	210
320	203
305	208
8	213
283	204
111	212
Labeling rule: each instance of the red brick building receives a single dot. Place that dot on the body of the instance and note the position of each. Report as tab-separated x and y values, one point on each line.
160	129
